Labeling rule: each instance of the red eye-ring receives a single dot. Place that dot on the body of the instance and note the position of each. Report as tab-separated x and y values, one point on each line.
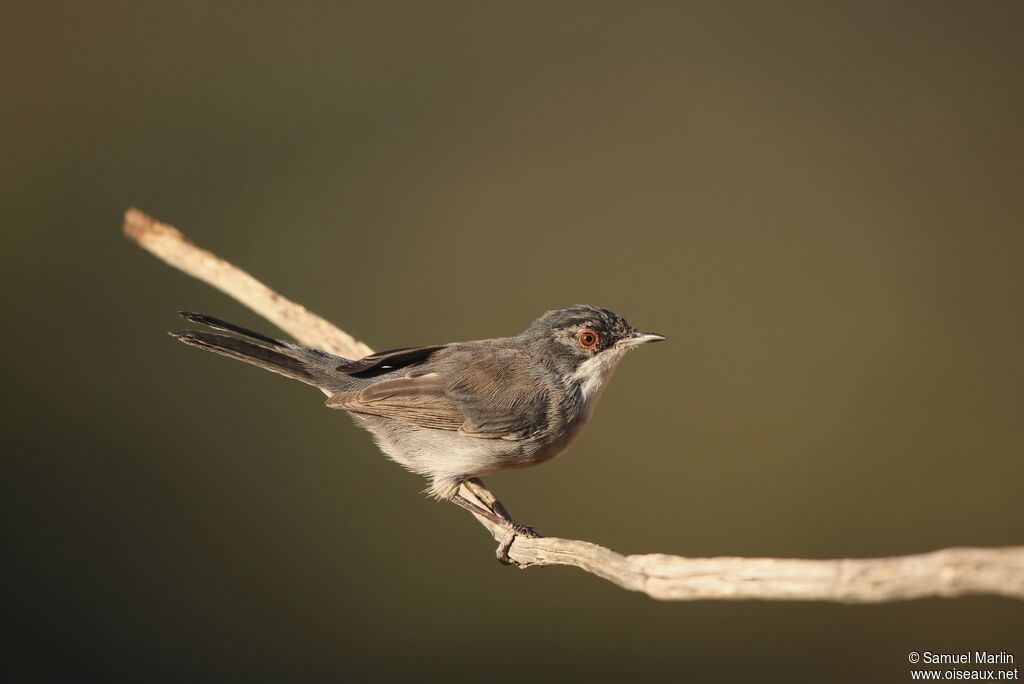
587	338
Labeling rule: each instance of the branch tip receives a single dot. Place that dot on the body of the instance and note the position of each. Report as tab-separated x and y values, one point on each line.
138	226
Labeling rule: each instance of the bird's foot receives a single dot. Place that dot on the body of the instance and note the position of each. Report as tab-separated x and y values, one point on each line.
513	530
524	530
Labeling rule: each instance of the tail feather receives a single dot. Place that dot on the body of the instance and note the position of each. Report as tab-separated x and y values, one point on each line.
304	364
218	324
246	351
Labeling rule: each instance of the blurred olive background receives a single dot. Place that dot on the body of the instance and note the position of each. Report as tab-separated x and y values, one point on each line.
821	207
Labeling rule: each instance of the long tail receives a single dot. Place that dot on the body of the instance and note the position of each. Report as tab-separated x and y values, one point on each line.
304	364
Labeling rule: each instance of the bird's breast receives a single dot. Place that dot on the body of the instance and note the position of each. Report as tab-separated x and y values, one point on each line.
577	406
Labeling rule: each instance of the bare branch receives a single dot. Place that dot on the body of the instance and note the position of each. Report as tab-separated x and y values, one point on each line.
948	572
170	245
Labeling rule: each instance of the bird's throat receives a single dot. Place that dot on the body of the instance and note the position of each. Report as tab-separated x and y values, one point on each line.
594	373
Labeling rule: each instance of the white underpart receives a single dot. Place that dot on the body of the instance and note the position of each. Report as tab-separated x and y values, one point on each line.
594	373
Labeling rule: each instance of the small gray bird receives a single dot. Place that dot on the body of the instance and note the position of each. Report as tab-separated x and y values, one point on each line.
457	411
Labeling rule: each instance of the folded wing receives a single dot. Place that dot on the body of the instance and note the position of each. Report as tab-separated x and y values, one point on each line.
492	399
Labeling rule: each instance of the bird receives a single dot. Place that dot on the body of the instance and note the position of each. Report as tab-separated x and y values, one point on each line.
458	411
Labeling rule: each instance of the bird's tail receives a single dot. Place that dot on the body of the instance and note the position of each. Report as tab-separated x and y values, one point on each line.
304	364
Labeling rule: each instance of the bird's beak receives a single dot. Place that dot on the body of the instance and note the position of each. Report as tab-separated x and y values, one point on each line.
638	338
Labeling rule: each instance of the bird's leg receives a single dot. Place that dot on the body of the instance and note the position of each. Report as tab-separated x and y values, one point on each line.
477	488
495	512
487	500
512	529
483	512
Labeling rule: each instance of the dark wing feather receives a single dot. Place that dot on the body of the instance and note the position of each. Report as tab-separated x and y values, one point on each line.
387	361
493	399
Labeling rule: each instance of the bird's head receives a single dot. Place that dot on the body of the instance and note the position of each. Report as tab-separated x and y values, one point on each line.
584	342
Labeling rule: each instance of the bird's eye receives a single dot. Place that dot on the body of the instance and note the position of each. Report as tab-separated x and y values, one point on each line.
587	338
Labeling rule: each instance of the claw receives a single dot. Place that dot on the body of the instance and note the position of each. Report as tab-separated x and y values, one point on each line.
525	531
513	530
503	546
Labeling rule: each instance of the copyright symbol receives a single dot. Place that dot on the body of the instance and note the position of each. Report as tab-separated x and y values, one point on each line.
914	657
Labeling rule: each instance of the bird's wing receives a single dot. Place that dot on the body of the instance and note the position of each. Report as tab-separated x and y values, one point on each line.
501	397
494	399
418	400
387	361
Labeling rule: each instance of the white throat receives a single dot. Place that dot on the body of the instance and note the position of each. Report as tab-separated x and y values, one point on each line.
594	373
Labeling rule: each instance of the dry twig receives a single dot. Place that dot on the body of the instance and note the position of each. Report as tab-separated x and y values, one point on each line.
948	572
